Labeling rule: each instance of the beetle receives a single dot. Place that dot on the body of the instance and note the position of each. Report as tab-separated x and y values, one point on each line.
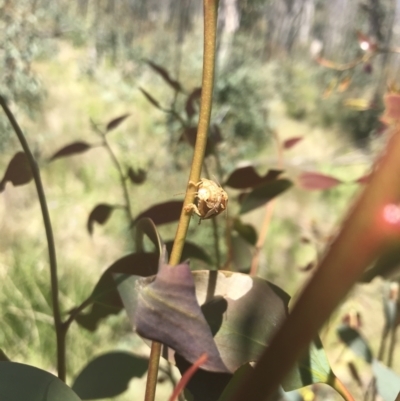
210	199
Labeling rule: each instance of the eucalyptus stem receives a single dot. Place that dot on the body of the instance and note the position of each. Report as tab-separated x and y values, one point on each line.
60	329
210	33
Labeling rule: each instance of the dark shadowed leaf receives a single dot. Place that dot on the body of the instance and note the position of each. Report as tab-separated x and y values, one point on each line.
105	298
259	196
387	381
100	214
190	105
190	251
108	375
354	373
72	149
146	226
311	180
189	135
246	231
353	339
3	356
247	177
204	385
151	99
137	176
289	143
163	213
234	383
165	75
386	266
167	311
241	254
20	382
114	123
18	171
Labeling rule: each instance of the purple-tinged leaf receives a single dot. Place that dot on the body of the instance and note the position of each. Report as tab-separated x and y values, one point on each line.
137	176
289	143
193	97
163	213
261	195
70	150
247	177
100	214
317	181
104	297
114	123
168	312
151	99
18	171
108	375
165	76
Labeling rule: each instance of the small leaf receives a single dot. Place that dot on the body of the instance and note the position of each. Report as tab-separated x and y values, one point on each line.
72	149
246	231
189	135
191	101
100	214
23	382
259	196
247	177
289	143
151	99
114	123
353	339
105	298
108	375
387	381
18	171
190	251
311	181
137	176
163	213
165	75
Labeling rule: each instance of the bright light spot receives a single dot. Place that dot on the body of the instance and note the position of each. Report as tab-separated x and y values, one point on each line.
391	213
364	45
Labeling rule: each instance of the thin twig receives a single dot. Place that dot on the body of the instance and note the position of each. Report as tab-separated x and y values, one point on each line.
60	331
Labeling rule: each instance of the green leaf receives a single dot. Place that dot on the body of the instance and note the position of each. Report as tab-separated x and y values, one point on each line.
246	231
19	382
71	149
190	251
263	194
114	123
108	375
100	214
387	381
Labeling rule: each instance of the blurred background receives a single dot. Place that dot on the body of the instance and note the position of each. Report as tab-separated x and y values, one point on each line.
310	69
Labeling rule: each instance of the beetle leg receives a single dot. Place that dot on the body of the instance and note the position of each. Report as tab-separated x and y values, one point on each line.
192	208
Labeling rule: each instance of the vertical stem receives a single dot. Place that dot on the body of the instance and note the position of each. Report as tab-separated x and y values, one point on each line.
60	332
210	28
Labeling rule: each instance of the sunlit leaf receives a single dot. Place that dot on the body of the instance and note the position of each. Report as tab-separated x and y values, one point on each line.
137	176
316	181
289	143
247	177
114	123
358	104
105	298
100	214
163	213
20	382
387	381
165	75
70	150
108	375
151	99
344	84
261	195
190	251
191	101
18	171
